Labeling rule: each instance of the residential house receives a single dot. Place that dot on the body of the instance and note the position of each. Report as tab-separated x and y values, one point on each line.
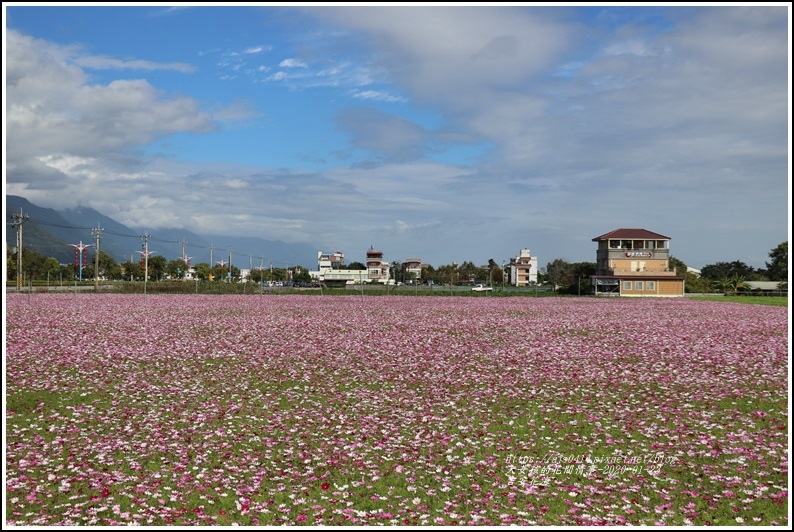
635	263
523	269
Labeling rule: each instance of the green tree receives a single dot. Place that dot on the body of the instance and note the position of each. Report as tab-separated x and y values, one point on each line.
777	267
108	268
578	275
257	275
33	265
695	284
725	270
218	273
202	270
157	264
558	273
302	275
397	271
732	283
176	269
677	266
429	274
468	272
494	272
131	271
11	264
449	274
52	267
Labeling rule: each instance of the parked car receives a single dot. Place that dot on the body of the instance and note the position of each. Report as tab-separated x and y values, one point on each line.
482	288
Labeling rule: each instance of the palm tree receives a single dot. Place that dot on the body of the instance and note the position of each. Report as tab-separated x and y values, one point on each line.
734	283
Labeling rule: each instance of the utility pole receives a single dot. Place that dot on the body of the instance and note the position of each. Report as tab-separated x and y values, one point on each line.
261	269
96	232
145	237
229	275
17	221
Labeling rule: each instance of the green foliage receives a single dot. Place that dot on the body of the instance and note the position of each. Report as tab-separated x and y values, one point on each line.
559	273
726	270
579	274
777	268
678	265
694	284
176	269
302	275
157	265
34	266
131	271
774	301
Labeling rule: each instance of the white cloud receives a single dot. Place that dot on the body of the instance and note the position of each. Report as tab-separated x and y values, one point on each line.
377	96
673	130
104	62
257	49
293	63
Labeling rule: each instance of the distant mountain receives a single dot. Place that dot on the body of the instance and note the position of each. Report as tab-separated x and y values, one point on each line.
51	233
45	231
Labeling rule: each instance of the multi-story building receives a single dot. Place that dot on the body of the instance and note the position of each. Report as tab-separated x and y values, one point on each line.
330	261
413	266
523	269
329	269
377	269
635	262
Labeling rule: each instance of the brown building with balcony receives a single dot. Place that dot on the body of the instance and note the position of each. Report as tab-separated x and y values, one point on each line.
413	266
635	263
377	269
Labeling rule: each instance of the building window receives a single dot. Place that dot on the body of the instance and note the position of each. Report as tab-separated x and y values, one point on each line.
650	285
626	285
637	285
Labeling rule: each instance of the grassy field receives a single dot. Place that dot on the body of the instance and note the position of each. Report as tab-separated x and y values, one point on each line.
751	300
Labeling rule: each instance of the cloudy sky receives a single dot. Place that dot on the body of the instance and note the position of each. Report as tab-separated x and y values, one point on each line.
445	133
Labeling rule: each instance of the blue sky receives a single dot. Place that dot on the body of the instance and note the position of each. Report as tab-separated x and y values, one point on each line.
448	133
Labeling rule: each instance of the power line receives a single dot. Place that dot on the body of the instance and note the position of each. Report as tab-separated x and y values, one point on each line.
96	230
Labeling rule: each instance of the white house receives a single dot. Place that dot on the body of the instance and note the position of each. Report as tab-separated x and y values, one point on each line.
329	269
523	269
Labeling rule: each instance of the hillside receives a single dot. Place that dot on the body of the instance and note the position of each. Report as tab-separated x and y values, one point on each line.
50	233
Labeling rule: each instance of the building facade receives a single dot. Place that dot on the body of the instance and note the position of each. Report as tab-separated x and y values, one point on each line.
377	268
329	269
523	269
635	263
413	266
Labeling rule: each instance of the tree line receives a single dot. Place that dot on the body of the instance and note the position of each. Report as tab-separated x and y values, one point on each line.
565	277
36	267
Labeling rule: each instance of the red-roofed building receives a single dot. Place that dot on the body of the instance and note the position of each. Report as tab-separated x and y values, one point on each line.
635	263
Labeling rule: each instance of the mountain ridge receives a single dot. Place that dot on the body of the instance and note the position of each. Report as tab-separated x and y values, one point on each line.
52	233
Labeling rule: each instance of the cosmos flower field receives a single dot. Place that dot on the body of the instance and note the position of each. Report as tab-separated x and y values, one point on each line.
339	410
